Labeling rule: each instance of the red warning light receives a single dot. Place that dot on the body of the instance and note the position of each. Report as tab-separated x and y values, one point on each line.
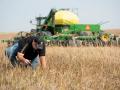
87	27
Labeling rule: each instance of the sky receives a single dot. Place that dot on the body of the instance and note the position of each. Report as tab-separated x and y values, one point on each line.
15	15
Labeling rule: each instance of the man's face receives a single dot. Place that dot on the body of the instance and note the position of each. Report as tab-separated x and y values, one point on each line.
34	44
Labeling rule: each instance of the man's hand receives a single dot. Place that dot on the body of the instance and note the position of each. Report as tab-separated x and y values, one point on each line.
26	62
20	57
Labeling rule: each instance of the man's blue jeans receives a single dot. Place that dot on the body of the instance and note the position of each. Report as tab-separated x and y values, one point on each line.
10	53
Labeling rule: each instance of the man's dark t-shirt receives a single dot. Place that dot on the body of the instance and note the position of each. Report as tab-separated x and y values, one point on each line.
29	52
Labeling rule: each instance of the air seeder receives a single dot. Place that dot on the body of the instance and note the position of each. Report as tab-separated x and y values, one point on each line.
62	27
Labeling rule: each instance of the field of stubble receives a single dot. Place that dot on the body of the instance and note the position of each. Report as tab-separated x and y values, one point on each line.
70	68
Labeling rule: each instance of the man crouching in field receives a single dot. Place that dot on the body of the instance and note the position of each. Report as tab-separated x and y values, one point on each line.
28	52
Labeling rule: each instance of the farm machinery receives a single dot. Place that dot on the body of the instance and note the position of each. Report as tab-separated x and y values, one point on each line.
62	28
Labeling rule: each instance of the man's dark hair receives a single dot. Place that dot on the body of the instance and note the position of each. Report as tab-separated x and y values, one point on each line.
30	39
36	39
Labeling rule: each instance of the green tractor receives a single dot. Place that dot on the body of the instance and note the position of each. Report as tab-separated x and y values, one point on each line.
62	27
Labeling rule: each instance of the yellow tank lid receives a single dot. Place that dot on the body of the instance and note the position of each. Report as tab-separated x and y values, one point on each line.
63	17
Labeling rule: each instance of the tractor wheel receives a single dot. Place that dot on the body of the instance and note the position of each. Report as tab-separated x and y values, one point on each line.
105	38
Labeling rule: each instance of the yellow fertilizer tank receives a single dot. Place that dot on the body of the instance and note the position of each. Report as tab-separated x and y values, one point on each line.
63	17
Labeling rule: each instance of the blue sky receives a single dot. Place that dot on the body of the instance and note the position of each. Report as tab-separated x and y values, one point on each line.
16	14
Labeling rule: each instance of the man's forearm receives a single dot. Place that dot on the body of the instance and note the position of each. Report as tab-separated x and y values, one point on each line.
43	62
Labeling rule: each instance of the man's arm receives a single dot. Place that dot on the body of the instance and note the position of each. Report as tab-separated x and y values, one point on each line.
43	61
21	47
